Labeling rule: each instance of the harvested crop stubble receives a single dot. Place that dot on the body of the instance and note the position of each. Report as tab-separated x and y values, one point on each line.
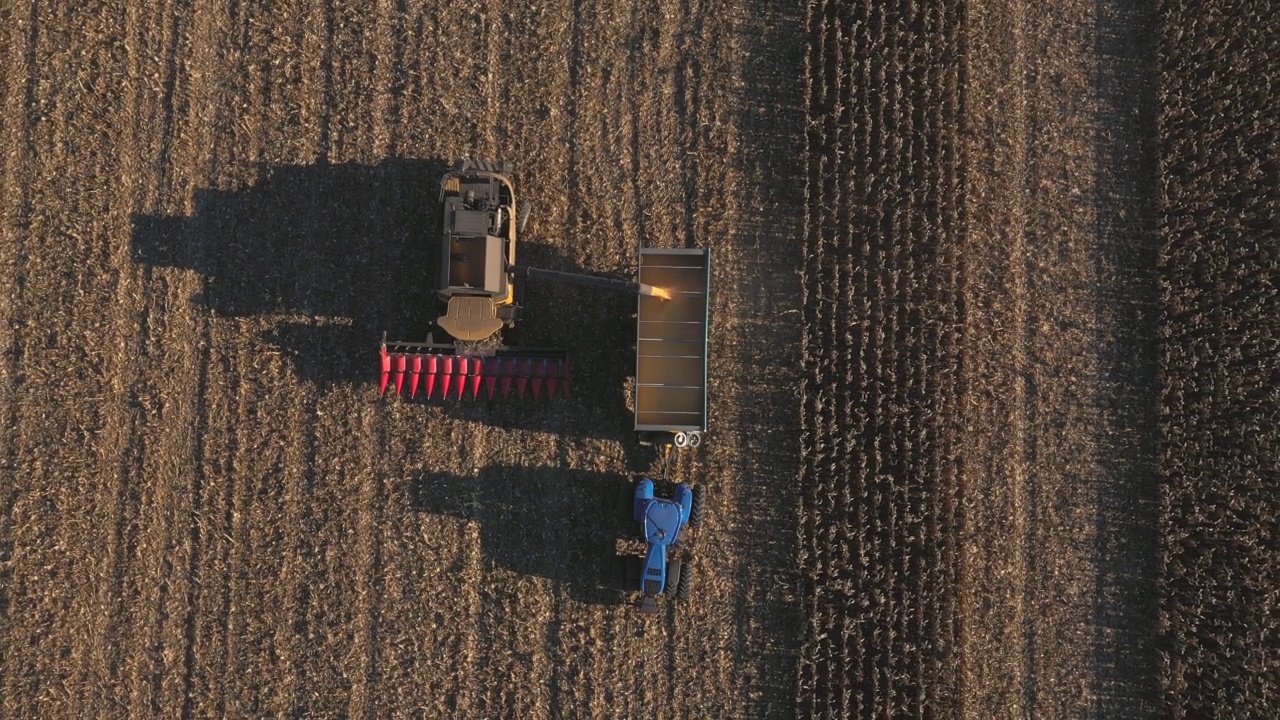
1220	358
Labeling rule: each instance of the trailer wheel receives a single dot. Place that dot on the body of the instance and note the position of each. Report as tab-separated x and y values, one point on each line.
675	572
699	507
680	439
695	439
682	589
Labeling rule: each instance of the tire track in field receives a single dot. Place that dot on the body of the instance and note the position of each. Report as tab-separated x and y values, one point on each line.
368	573
173	464
303	597
21	87
186	163
328	99
431	606
298	436
1127	546
996	470
230	692
133	476
242	143
262	603
409	598
736	103
71	373
295	600
537	617
1034	72
461	546
356	95
1063	344
687	100
207	621
389	77
120	455
239	138
147	478
576	116
497	112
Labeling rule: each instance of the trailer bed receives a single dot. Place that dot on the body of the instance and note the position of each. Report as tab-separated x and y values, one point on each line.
671	341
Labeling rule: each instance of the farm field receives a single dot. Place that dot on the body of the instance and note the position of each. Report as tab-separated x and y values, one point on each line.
211	213
978	425
938	434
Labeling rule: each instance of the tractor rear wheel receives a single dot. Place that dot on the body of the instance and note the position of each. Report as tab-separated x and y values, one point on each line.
630	502
631	569
699	507
682	588
675	572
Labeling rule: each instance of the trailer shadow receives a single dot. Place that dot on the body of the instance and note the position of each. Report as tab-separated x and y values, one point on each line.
554	523
329	257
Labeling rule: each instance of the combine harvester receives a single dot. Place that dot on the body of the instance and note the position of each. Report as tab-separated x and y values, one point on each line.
483	290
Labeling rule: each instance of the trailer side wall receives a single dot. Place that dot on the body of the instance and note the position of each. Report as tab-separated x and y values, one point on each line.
671	341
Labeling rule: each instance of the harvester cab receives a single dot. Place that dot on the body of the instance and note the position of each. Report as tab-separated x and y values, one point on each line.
663	521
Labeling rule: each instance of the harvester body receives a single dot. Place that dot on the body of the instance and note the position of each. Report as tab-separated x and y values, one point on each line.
481	287
478	244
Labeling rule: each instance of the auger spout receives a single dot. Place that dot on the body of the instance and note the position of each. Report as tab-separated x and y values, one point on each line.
522	271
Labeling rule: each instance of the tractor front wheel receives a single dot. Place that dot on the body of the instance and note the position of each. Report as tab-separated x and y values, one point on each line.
682	588
699	507
675	572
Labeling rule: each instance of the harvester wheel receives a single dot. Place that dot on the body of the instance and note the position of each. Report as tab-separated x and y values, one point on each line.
682	589
511	335
675	572
699	507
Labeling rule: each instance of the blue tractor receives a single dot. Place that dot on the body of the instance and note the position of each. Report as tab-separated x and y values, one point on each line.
664	569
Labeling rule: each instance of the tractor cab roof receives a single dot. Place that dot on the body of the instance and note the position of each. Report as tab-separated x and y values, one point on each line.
661	522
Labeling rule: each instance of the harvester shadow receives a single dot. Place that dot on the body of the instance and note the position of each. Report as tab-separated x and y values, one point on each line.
1126	612
542	522
331	256
326	241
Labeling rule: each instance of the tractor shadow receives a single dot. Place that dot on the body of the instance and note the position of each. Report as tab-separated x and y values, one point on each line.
554	523
332	256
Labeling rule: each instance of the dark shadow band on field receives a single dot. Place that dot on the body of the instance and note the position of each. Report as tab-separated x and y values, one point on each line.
1126	656
550	522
